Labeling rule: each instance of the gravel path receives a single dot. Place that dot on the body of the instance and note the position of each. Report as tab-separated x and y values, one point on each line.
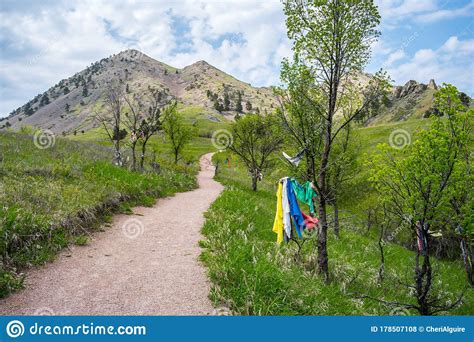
145	264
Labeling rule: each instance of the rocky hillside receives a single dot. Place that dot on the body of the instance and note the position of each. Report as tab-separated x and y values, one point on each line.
70	105
411	100
207	92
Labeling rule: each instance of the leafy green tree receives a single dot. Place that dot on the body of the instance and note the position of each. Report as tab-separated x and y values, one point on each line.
66	90
226	101
332	41
238	103
179	133
255	139
67	108
466	100
85	92
424	185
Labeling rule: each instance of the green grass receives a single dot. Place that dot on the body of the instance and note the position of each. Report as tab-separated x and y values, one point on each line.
51	197
252	275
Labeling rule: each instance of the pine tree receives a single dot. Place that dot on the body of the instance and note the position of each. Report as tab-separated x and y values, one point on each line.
226	101
238	104
248	106
44	100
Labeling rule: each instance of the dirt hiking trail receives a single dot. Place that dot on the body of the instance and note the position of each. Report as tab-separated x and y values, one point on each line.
144	264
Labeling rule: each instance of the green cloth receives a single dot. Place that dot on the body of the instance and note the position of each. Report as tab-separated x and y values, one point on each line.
304	193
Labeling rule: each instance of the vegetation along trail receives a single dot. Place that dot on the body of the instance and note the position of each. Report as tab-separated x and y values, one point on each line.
145	264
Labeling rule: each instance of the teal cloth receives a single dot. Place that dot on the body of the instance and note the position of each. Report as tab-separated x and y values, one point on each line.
304	193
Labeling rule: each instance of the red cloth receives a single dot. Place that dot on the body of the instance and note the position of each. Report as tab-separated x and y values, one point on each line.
309	222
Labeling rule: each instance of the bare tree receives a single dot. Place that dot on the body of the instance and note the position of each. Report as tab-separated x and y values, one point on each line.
151	123
111	119
132	121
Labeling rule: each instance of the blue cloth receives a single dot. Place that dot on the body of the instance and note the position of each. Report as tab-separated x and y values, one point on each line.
295	211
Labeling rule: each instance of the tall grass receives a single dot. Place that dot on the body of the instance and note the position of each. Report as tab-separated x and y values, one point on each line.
50	197
252	275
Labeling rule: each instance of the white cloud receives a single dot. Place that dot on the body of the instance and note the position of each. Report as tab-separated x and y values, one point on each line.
444	14
452	63
54	42
394	11
394	57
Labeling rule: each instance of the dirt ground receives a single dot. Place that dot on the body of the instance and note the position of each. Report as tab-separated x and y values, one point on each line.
145	264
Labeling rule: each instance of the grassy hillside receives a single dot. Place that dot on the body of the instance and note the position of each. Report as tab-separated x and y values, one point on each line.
55	196
252	275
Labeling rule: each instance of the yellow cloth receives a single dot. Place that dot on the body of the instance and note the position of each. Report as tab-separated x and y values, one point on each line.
278	223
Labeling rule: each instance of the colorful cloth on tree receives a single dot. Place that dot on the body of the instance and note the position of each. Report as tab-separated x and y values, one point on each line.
309	221
286	208
305	193
278	223
296	159
295	211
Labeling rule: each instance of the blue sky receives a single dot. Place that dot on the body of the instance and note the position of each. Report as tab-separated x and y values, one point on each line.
42	42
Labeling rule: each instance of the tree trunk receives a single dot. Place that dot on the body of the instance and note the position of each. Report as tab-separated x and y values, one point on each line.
336	218
134	157
176	156
142	157
254	181
467	257
323	267
382	254
322	240
423	276
118	156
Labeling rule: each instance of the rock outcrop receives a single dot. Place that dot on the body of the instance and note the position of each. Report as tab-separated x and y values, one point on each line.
412	87
432	85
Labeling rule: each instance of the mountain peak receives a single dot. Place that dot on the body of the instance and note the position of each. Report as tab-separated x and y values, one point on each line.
69	105
201	63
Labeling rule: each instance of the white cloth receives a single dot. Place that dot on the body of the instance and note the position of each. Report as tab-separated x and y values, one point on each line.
296	159
286	209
